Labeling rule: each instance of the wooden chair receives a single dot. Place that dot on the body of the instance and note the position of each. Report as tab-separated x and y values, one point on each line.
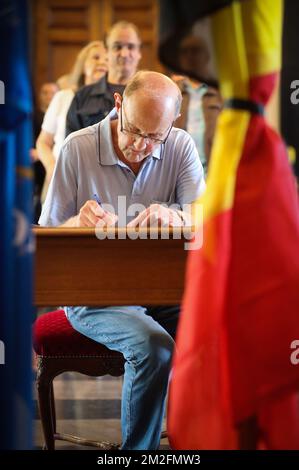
59	349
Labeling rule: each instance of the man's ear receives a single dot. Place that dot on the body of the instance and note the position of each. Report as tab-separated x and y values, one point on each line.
117	101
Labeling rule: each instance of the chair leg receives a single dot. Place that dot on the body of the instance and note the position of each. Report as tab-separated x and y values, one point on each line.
44	385
52	398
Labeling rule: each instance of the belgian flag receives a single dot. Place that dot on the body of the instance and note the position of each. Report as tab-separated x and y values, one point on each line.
240	312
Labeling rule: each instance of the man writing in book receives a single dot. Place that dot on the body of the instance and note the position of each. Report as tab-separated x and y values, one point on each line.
134	153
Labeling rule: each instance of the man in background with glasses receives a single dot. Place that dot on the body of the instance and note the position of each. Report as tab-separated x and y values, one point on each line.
93	102
134	153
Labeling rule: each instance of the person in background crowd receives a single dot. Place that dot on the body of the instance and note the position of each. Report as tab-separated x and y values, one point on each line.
89	67
45	95
191	118
92	103
212	104
193	58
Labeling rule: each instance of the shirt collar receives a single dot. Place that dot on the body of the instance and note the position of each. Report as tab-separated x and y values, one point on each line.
158	152
107	155
200	89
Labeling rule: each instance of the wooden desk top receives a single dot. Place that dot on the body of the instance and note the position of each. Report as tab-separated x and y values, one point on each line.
74	267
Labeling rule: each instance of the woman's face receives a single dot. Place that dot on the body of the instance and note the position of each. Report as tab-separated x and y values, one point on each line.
95	65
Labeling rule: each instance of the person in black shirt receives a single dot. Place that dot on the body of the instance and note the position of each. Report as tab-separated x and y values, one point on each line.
93	102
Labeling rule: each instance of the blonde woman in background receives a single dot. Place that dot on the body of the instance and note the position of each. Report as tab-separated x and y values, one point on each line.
90	66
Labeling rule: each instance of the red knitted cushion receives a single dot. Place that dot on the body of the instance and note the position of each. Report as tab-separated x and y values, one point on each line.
53	335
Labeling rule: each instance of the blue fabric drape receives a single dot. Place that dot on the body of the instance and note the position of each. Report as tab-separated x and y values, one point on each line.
16	246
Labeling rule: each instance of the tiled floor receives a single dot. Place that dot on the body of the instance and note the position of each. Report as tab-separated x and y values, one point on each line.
87	407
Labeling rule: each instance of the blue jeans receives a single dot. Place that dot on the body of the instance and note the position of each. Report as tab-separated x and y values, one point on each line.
147	348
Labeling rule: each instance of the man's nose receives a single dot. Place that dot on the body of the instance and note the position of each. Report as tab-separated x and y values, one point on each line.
140	142
124	52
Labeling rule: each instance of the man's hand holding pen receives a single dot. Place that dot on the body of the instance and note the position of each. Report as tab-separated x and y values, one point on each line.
92	214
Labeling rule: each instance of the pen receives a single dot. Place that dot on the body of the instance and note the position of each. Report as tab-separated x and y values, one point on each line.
97	199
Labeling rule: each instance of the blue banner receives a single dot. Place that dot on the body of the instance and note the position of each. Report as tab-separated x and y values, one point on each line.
16	245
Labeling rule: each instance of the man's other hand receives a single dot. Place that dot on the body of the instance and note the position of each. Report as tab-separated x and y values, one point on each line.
157	215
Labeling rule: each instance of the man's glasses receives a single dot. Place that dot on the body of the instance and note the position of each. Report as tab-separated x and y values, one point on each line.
118	46
135	135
